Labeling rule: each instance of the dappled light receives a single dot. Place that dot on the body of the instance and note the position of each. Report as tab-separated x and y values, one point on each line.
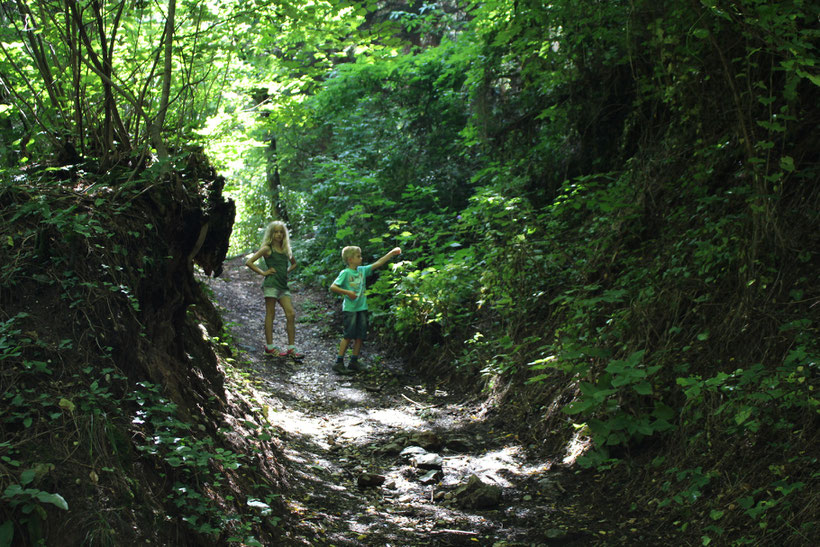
578	444
381	456
350	273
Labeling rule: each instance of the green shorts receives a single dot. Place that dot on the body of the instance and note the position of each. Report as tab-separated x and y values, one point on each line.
273	292
355	325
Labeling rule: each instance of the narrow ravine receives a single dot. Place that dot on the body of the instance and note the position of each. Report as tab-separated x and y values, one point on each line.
386	458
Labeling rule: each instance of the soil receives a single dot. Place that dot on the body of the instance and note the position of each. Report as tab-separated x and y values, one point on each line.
356	447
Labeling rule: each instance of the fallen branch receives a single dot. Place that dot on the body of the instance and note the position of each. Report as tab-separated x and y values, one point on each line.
420	405
455	532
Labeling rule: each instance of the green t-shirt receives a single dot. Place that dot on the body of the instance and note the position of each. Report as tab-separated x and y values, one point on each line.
354	280
280	262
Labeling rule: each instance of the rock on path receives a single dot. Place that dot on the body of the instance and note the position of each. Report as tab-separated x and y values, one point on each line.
382	458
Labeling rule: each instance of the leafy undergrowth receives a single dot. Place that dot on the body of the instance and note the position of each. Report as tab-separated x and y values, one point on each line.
117	423
124	421
680	339
610	219
344	439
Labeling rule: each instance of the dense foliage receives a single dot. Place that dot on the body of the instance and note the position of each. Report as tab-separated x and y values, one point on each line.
610	206
115	423
612	197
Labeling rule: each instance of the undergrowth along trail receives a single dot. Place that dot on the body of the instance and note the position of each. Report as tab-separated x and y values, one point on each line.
385	458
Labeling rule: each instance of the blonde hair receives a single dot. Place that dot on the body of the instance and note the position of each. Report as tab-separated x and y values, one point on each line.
349	251
267	239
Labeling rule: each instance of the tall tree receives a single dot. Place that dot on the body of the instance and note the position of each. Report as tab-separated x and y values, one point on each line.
81	74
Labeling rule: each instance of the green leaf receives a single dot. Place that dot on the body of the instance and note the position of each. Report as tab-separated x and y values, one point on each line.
6	530
664	412
258	504
743	415
12	490
54	499
537	378
787	163
576	407
815	79
27	476
65	404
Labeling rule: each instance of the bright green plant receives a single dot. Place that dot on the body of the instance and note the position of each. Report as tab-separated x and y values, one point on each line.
28	501
193	462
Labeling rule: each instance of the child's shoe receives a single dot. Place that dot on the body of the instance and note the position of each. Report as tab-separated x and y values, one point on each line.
354	365
340	368
292	353
272	350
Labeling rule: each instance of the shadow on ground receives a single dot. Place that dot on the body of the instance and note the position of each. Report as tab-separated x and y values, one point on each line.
383	458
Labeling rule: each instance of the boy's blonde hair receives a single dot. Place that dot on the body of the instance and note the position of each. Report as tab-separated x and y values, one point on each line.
267	239
349	251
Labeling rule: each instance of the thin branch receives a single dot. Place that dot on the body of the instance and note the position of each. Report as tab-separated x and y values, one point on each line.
21	101
162	149
38	54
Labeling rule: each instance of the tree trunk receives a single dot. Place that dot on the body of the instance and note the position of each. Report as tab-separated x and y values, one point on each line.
279	211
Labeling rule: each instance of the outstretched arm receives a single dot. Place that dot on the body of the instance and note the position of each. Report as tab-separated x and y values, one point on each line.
383	260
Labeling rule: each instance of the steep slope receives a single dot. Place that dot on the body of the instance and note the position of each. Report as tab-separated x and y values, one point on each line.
117	427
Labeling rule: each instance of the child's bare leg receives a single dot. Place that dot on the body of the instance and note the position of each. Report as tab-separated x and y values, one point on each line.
270	313
357	346
290	317
343	346
354	358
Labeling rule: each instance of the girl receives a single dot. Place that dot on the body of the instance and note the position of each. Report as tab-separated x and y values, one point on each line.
279	262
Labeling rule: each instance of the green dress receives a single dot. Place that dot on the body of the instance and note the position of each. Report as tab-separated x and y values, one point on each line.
280	262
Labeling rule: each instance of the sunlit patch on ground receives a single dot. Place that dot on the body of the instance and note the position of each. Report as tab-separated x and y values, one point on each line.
333	430
399	417
296	423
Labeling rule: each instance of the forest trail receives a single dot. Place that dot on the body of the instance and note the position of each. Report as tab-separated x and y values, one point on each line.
341	436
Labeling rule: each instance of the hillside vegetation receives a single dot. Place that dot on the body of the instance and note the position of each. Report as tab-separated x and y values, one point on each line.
609	214
118	422
608	211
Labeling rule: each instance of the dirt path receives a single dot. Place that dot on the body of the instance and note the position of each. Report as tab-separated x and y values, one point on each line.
382	458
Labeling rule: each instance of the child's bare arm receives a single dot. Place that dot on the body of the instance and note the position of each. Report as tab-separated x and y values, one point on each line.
338	290
383	260
251	262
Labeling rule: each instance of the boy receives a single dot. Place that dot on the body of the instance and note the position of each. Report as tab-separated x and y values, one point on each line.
350	283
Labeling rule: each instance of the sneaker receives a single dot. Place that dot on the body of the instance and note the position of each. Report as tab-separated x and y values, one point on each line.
340	368
292	353
355	366
272	350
